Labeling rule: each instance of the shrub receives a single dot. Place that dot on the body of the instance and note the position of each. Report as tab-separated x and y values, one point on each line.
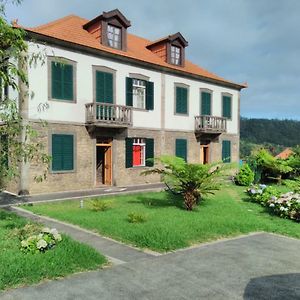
284	205
245	176
101	205
293	185
135	217
192	181
26	231
45	240
262	193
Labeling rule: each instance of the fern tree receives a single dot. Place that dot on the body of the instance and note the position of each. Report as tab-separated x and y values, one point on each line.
192	181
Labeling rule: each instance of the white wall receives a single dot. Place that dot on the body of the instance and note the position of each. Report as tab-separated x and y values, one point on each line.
187	122
75	112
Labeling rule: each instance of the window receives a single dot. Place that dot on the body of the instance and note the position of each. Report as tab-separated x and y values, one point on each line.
226	151
104	87
181	148
138	151
227	109
114	36
175	55
62	81
139	93
62	152
205	103
181	106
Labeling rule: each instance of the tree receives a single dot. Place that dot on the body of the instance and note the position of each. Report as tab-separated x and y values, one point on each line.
192	181
18	143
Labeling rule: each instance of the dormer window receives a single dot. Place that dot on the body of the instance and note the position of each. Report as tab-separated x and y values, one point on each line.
114	36
175	55
171	49
110	29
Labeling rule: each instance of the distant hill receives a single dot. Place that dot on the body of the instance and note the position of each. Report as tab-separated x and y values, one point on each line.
280	132
273	134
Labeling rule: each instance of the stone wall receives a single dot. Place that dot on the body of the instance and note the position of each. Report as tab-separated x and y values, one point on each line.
83	176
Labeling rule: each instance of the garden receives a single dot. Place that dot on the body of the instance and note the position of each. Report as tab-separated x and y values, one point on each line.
30	253
199	205
273	182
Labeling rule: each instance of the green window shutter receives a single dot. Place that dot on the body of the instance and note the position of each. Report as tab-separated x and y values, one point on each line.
149	95
181	148
57	80
205	103
227	107
104	87
226	151
149	152
62	152
62	81
68	82
129	92
68	152
181	100
128	152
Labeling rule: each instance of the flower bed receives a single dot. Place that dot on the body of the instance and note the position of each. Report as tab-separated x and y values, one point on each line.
284	205
45	240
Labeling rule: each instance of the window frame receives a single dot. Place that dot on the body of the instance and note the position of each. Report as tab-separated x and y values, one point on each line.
105	69
113	33
136	86
67	62
203	90
231	102
74	170
173	58
139	142
187	87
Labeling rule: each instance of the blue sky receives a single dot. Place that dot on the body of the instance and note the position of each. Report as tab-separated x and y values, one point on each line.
256	41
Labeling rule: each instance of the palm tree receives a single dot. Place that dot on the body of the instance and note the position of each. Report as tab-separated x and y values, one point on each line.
192	181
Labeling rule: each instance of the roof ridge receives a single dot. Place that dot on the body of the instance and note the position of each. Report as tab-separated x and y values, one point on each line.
55	22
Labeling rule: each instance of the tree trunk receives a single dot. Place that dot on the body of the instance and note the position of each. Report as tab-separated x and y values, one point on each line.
189	200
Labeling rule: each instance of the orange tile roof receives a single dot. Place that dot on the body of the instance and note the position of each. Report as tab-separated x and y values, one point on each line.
286	153
70	29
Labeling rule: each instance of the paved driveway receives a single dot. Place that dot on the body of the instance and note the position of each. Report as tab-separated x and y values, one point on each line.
261	266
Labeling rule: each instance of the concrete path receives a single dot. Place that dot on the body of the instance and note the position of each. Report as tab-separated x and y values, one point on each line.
261	266
116	252
7	199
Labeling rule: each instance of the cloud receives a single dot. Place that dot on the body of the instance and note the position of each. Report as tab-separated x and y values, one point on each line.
242	40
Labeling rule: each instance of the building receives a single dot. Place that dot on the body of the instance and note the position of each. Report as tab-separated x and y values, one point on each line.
112	100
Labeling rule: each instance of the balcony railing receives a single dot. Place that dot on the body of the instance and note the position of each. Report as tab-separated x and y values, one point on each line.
109	115
210	124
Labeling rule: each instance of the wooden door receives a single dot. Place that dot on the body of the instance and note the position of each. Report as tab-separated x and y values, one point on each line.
104	162
204	154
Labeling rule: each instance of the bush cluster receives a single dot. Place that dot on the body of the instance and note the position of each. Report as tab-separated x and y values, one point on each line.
245	176
135	217
45	240
284	205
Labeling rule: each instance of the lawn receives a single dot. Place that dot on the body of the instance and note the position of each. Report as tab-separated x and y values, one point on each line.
18	268
168	226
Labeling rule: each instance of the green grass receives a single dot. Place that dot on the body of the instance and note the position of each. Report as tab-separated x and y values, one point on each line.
168	226
18	268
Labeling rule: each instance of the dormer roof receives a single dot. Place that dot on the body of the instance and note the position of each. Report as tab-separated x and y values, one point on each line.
109	15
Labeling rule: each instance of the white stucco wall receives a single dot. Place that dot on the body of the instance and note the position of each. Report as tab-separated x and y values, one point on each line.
182	122
75	112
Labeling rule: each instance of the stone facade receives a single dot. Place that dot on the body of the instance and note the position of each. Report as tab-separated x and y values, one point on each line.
84	174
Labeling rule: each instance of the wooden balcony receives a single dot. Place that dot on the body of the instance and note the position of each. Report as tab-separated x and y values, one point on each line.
210	125
108	115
